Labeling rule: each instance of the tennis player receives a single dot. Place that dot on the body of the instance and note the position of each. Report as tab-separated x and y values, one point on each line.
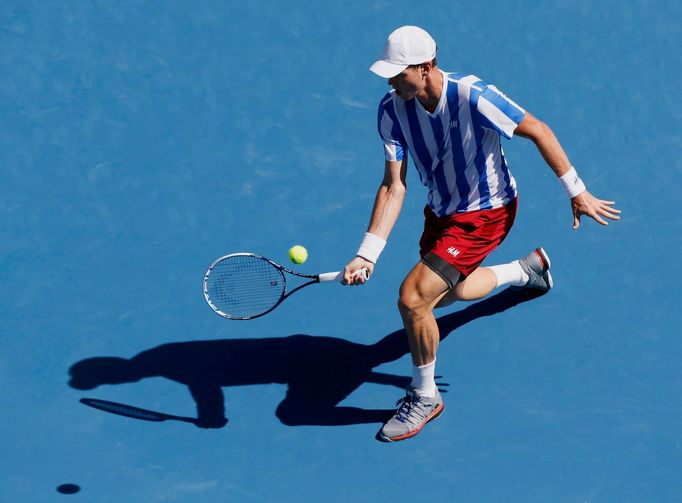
451	125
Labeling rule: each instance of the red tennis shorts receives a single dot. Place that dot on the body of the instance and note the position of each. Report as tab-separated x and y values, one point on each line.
464	240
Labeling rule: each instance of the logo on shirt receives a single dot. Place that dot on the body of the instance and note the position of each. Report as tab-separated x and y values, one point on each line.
454	123
453	251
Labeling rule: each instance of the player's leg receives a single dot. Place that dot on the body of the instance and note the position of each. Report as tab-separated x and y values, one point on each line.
420	292
532	271
476	286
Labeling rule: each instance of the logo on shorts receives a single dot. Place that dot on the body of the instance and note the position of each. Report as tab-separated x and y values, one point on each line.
453	251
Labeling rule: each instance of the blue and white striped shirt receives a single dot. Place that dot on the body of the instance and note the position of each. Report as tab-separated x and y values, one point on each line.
456	149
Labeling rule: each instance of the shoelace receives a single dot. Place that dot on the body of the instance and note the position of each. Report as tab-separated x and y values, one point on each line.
408	407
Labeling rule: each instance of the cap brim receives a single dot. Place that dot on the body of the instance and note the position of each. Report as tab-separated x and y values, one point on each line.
385	69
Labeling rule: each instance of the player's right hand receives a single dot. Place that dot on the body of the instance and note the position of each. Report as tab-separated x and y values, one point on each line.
352	273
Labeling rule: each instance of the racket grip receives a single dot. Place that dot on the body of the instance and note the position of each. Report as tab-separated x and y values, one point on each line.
328	277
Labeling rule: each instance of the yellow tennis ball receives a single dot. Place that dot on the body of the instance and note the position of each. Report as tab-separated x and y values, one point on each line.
298	254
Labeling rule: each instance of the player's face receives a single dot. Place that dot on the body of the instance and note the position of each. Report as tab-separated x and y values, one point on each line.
408	83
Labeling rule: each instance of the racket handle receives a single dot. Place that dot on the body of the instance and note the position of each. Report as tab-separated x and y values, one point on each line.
328	277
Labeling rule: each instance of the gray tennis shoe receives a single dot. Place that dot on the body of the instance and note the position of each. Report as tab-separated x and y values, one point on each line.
414	412
536	265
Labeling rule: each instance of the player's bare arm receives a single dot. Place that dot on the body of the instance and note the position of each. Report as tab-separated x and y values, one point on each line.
582	203
389	199
387	205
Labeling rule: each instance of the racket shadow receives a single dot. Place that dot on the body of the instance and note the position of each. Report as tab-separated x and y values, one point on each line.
319	371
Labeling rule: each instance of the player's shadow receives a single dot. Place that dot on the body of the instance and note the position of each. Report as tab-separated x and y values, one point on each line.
319	371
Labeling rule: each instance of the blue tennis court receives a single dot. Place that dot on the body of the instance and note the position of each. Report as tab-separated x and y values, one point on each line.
141	140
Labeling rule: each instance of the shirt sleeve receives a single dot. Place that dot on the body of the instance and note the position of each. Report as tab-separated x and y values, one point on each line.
500	113
395	146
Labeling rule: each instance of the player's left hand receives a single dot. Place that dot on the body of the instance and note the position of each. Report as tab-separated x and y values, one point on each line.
598	209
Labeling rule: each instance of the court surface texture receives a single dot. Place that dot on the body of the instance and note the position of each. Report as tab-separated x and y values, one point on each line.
140	140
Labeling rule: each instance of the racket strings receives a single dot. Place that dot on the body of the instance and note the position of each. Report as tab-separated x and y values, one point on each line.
244	286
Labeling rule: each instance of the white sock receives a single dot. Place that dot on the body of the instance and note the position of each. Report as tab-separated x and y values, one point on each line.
423	379
510	274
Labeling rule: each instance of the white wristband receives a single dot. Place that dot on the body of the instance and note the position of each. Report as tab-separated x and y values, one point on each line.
572	183
371	247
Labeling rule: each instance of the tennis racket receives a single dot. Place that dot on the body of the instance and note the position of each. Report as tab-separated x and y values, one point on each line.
243	286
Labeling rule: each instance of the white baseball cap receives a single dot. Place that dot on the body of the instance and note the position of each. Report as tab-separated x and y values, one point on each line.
408	45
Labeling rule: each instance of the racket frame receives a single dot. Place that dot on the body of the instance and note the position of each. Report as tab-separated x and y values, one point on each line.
314	278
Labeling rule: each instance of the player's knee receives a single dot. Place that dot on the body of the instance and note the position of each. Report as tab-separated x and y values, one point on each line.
411	303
